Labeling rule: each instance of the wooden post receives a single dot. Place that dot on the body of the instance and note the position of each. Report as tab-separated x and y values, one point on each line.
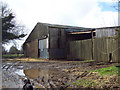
92	44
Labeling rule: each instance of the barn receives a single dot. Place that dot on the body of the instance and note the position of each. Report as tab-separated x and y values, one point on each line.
51	41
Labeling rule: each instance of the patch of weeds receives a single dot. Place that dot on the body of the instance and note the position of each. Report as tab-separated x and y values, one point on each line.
85	83
74	83
100	63
109	70
12	55
87	61
78	82
66	83
81	82
89	83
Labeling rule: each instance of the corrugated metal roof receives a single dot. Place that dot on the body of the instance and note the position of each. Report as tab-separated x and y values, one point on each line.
81	32
108	27
69	29
66	27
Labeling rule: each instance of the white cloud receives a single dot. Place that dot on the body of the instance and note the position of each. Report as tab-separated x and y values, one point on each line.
70	12
100	19
81	13
108	1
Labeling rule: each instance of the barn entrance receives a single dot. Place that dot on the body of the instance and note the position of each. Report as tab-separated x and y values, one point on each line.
43	48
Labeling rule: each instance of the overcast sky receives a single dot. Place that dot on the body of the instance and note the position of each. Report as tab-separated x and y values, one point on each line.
82	13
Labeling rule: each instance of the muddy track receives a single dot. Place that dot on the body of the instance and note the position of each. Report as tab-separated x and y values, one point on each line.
45	74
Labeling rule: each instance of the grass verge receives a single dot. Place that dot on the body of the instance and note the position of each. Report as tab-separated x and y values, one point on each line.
105	76
12	55
109	70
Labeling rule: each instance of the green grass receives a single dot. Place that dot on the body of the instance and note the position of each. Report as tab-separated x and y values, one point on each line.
109	70
79	82
85	83
12	55
89	83
87	61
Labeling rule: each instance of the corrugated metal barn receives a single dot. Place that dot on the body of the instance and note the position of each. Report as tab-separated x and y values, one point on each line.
52	41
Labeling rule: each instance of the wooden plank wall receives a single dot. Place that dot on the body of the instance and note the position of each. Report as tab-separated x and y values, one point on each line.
118	45
31	49
81	49
57	38
102	47
39	32
57	43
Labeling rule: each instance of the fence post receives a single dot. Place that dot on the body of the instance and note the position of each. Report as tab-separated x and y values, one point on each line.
92	44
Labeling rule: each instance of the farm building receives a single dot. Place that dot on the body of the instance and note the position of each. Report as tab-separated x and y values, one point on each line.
52	41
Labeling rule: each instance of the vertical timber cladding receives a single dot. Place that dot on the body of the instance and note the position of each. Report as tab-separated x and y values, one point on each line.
80	46
118	44
57	42
31	49
80	49
105	45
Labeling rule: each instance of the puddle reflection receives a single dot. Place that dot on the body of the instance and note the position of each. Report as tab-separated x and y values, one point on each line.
20	72
35	73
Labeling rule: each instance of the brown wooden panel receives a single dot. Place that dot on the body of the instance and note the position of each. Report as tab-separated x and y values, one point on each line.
80	49
31	49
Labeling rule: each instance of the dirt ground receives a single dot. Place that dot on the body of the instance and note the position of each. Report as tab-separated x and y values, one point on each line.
56	74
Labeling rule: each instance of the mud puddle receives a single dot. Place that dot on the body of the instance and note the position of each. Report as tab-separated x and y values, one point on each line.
43	77
13	76
46	75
